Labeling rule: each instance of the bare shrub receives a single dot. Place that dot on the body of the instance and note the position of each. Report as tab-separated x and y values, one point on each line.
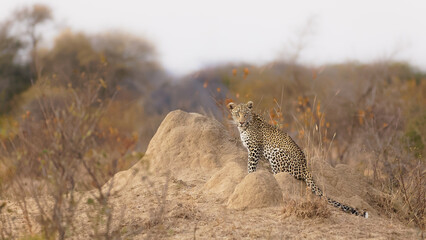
61	147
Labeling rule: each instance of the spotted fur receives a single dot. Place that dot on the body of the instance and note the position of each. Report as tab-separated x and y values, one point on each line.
263	140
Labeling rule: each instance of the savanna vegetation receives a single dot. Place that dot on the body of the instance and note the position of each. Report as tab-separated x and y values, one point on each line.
75	113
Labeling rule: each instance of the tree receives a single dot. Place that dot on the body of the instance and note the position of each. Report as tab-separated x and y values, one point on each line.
119	59
13	76
132	60
31	18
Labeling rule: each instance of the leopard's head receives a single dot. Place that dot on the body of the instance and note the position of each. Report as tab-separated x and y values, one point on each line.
242	113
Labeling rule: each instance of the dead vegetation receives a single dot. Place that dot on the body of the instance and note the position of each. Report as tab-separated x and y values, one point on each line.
307	208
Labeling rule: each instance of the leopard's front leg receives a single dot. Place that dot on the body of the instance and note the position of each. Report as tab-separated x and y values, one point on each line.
254	155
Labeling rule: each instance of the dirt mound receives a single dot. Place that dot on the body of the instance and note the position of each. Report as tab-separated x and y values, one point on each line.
223	182
187	146
291	187
189	143
192	147
344	184
339	181
256	190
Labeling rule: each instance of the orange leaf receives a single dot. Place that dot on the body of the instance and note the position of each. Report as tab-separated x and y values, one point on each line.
227	101
246	71
361	115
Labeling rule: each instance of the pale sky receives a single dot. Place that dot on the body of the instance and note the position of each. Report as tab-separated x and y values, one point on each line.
190	34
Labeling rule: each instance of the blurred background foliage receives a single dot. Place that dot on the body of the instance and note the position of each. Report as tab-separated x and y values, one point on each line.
107	93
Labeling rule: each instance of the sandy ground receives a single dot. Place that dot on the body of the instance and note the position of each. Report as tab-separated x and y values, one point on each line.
192	184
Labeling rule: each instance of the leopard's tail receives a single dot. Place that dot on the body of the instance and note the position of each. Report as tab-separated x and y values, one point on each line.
317	191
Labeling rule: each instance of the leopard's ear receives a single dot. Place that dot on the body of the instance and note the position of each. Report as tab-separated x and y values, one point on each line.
231	105
250	104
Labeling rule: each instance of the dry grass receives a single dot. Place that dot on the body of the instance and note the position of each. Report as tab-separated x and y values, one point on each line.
307	208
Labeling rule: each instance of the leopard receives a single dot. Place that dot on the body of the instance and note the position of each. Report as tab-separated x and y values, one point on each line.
265	141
